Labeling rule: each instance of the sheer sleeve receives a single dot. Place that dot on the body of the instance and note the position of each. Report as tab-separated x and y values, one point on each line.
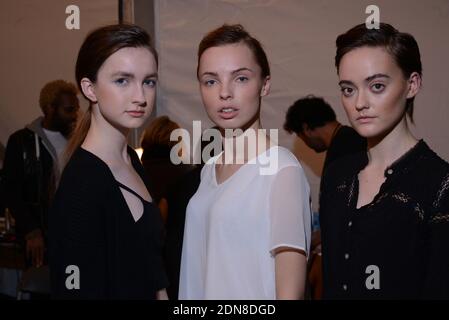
290	210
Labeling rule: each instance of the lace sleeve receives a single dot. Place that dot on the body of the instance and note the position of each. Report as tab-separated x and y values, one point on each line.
290	210
437	276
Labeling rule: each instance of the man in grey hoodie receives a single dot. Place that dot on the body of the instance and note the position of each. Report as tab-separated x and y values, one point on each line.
33	163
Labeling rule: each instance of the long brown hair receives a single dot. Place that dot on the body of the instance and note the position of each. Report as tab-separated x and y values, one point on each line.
96	48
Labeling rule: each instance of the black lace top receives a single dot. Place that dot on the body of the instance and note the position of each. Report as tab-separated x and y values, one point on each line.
397	246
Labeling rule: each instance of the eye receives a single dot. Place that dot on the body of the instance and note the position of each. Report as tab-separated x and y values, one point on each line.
121	81
378	87
209	82
346	91
242	79
150	82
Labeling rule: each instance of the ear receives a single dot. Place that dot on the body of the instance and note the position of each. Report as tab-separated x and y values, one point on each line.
306	130
266	86
48	110
88	89
414	85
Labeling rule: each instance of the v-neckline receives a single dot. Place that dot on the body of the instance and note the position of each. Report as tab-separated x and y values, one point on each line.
138	196
238	170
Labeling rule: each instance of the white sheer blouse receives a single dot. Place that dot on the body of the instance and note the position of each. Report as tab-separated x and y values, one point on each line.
233	227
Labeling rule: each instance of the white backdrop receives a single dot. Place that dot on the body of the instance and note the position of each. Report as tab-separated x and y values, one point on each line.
299	38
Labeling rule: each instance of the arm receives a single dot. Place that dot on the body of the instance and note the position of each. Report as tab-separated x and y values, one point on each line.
28	224
77	236
291	270
163	208
291	229
162	295
436	284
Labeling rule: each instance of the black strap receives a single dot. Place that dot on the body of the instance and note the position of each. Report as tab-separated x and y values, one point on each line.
131	191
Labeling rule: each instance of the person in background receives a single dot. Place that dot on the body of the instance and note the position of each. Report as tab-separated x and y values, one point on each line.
313	120
104	224
177	198
32	166
160	169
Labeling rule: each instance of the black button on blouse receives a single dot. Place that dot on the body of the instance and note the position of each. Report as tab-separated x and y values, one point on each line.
397	246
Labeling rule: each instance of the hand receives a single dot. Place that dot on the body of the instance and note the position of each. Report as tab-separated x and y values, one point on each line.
162	295
317	250
35	248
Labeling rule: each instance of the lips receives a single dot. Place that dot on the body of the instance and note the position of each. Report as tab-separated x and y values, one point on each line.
365	119
228	113
135	113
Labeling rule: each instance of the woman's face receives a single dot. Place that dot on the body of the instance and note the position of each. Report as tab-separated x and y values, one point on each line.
126	87
231	86
374	90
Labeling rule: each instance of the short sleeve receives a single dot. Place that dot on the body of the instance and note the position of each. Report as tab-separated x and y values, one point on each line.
290	210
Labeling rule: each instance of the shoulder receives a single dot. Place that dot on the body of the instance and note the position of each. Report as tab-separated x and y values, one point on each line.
20	135
348	138
283	156
344	167
433	163
279	163
84	168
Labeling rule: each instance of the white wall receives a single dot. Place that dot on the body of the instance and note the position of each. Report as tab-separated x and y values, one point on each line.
38	48
299	38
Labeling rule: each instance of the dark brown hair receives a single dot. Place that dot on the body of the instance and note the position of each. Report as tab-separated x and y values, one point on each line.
99	45
232	34
401	46
158	133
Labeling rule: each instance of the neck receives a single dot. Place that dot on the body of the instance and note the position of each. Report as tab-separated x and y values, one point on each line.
329	132
240	148
383	151
106	141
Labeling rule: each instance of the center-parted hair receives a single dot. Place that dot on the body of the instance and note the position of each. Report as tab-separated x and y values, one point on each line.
98	46
233	34
401	46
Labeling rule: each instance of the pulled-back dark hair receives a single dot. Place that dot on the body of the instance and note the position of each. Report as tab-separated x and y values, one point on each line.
313	111
98	46
101	43
401	46
232	34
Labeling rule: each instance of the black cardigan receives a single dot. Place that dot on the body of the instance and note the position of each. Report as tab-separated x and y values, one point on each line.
92	228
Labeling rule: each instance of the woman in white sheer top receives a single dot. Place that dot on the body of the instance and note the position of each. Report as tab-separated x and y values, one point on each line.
247	231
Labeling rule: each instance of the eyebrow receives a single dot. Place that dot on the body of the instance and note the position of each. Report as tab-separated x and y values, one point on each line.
214	74
369	79
131	75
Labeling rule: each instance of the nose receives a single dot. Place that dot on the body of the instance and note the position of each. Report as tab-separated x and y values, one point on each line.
361	101
139	96
225	91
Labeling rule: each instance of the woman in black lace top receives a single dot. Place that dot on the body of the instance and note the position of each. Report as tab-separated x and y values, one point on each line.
384	212
105	231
